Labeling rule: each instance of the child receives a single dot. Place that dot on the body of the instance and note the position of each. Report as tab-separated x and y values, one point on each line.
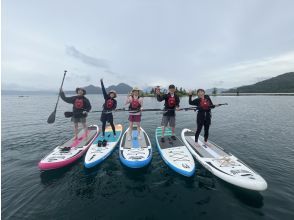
171	103
108	106
81	105
135	104
204	106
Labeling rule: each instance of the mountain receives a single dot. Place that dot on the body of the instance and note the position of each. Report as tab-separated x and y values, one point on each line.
26	93
121	88
218	90
283	83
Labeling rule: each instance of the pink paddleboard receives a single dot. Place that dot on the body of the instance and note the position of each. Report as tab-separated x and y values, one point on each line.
70	151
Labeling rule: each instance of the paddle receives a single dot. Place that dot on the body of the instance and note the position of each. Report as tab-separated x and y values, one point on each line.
51	118
70	114
222	104
189	108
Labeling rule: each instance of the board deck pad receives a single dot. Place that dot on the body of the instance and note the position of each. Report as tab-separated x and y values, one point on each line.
109	136
169	142
209	150
81	141
135	142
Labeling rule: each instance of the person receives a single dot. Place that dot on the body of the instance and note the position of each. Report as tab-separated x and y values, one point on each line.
108	106
135	103
81	105
171	103
204	106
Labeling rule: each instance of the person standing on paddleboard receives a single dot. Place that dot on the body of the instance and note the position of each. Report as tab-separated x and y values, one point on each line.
204	106
81	105
108	106
171	103
135	103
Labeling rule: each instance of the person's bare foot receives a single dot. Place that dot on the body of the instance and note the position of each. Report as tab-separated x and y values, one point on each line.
197	144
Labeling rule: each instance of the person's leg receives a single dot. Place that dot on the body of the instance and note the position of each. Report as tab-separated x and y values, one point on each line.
103	127
130	131
139	129
113	127
206	131
199	128
85	127
163	125
172	123
76	126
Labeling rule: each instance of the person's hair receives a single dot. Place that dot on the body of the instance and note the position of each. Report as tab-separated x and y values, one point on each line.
198	90
171	87
84	91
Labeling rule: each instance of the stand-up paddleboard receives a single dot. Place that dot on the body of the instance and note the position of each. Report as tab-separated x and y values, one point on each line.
135	152
70	151
102	147
223	164
174	153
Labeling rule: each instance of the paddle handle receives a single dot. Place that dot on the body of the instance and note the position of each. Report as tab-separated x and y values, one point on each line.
65	71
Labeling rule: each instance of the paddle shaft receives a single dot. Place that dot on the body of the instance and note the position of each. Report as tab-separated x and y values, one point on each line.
60	89
51	118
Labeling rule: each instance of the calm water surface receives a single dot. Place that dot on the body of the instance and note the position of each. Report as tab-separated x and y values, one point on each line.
257	129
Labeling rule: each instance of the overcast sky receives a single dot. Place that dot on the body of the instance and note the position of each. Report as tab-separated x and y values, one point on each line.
145	42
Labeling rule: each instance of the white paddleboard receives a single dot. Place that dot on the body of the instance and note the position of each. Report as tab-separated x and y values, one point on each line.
223	164
174	153
97	152
135	152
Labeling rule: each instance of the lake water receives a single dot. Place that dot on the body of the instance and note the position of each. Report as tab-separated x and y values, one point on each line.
257	129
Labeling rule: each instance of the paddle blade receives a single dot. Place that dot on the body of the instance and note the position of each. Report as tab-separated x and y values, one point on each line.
68	114
51	118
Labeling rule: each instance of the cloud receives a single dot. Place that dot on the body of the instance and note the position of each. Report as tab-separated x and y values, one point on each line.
73	52
73	76
253	71
108	71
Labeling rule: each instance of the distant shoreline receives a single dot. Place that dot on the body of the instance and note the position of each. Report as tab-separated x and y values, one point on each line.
26	94
255	94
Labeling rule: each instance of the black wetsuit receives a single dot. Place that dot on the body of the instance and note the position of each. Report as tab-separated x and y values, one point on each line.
203	116
170	111
106	115
80	104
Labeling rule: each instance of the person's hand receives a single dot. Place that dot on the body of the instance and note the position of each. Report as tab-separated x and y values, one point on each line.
101	80
157	89
141	109
190	93
177	109
85	112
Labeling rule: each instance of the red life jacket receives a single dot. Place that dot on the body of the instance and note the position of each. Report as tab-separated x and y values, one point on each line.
171	101
109	104
204	104
135	104
79	103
